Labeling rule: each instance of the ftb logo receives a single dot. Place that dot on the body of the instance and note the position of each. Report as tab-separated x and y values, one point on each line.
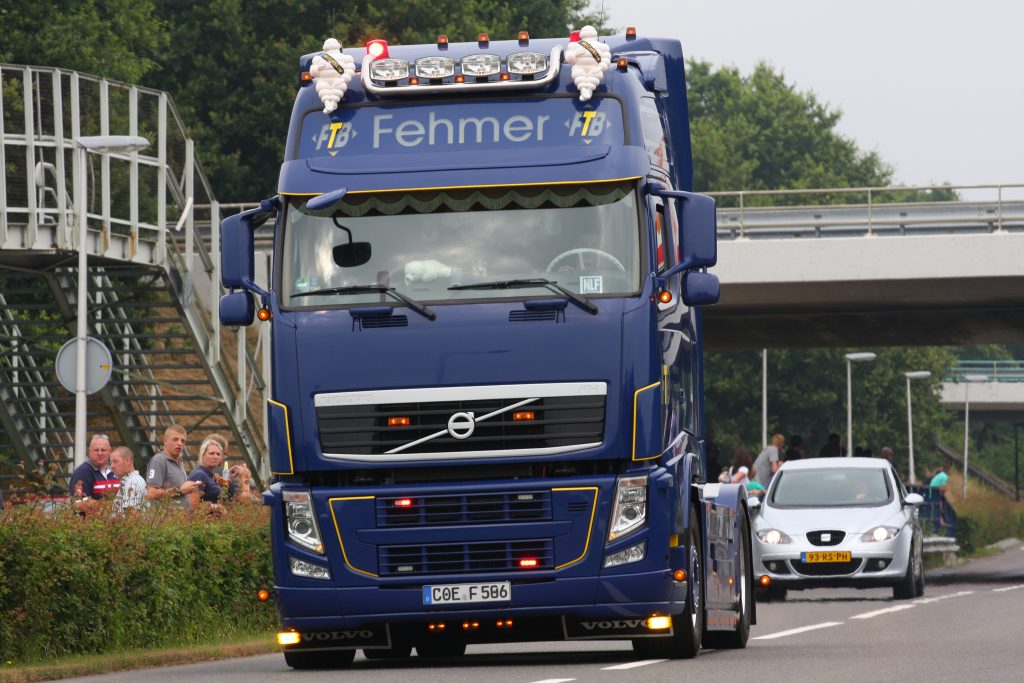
336	135
587	124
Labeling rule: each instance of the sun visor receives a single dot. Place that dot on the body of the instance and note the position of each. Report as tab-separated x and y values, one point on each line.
556	164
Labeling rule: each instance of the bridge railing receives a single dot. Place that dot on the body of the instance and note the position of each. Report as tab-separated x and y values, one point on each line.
870	211
994	370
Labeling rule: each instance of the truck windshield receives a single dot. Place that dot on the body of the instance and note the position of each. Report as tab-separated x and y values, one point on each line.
585	238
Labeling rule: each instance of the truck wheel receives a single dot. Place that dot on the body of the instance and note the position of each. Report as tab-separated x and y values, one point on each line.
393	652
335	659
907	587
737	640
439	649
688	626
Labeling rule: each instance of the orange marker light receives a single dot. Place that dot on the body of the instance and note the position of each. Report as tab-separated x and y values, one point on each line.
414	80
524	416
631	33
263	595
524	36
665	296
459	78
483	39
766	580
679	575
401	421
306	77
504	76
442	41
622	63
264	314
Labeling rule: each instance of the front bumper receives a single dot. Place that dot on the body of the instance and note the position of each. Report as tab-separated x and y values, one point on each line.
871	564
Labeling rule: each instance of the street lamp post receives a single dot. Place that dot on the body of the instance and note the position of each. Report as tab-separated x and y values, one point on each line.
1016	460
859	357
967	417
101	144
914	374
764	398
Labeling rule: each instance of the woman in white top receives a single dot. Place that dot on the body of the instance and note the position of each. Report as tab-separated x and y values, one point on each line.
742	467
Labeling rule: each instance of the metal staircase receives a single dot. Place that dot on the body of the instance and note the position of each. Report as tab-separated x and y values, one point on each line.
153	284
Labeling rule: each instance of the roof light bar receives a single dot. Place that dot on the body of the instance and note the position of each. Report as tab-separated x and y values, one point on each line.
526	63
481	65
435	67
388	70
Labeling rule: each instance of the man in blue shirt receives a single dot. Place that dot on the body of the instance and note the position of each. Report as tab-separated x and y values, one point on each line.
90	479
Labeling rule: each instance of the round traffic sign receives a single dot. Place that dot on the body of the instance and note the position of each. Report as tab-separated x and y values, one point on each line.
98	365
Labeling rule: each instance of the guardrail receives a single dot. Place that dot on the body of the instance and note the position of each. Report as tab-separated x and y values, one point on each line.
994	370
869	211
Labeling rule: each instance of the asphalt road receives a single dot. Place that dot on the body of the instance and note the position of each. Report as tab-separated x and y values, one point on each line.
968	626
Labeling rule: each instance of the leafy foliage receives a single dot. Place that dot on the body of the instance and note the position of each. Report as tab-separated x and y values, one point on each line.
70	585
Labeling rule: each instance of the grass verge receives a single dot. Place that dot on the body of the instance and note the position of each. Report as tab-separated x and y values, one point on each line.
88	665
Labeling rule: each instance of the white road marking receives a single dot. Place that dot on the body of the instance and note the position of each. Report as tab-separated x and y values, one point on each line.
877	612
633	665
937	598
1008	588
556	680
802	629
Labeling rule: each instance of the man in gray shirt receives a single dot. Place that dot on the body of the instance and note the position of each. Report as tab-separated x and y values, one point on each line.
165	474
768	461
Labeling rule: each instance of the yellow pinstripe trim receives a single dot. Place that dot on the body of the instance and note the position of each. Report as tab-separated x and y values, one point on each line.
636	396
337	530
288	437
590	530
466	187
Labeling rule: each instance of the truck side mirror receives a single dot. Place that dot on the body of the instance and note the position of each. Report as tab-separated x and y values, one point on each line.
237	252
699	232
700	288
237	309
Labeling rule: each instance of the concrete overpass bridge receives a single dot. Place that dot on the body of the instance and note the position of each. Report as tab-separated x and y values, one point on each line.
868	269
997	392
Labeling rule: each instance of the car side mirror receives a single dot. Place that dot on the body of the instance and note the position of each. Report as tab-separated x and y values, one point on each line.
753	502
914	499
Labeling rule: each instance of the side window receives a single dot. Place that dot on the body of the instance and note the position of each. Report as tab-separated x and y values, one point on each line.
661	245
685	385
654	133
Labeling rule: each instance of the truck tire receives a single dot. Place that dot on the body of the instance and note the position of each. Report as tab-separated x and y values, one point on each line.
335	659
440	649
688	626
737	640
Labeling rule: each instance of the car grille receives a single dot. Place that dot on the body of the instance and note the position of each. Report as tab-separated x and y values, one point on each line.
559	422
520	506
826	568
463	558
826	537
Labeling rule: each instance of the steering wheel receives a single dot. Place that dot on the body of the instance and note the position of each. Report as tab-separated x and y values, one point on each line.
578	253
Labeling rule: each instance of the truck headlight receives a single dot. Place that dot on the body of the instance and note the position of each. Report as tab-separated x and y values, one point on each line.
630	510
300	520
389	69
309	570
634	553
526	63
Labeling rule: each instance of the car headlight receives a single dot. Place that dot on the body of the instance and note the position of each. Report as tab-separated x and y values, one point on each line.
880	533
630	510
773	537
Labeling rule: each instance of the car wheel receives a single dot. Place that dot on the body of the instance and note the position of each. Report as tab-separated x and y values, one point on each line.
736	640
907	587
688	626
335	659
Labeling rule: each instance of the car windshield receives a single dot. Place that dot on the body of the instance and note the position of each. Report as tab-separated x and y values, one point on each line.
826	488
585	238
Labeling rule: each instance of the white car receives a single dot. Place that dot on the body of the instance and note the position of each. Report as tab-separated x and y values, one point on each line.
830	522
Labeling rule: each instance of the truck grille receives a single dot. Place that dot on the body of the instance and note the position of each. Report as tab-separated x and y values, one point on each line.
521	506
463	558
357	424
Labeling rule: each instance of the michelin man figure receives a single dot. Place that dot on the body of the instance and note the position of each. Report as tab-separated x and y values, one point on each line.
332	70
589	59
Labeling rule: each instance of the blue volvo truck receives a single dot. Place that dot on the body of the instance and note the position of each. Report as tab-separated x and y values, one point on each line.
485	308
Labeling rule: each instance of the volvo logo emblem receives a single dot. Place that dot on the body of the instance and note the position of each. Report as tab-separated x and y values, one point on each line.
461	425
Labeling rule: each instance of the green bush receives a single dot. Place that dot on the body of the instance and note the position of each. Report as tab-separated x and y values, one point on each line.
981	526
73	585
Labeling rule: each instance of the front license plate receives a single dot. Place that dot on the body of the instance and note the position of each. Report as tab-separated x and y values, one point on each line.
836	556
456	593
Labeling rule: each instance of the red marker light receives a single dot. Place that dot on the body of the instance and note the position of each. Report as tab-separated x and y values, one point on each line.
403	503
574	37
528	563
378	49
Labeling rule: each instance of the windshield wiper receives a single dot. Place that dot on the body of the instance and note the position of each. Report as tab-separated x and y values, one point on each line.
356	289
580	301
